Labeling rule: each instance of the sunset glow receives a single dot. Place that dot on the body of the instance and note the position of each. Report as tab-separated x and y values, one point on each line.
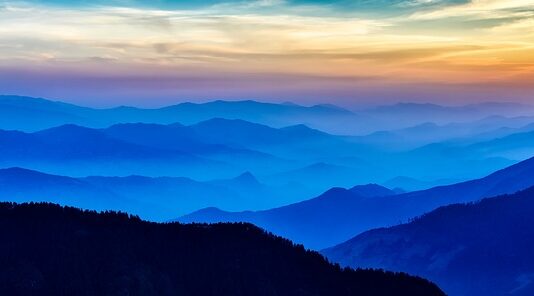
348	51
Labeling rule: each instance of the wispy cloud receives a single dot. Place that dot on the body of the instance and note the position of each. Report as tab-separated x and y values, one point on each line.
481	9
427	41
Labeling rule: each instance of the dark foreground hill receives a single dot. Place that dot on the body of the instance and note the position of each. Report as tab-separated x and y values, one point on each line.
50	250
482	248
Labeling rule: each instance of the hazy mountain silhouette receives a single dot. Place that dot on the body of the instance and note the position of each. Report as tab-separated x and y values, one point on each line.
64	251
459	133
175	136
238	132
224	147
339	214
410	114
480	156
371	190
462	151
483	248
187	139
312	222
16	110
156	199
514	146
412	184
454	161
248	185
297	141
331	175
200	151
217	148
17	184
75	150
32	114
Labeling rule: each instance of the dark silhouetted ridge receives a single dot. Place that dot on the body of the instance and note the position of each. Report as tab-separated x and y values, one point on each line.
52	250
372	190
482	248
247	178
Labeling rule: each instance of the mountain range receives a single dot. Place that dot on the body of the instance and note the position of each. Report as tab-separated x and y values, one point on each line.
286	168
200	151
339	214
54	250
481	248
16	110
410	114
153	198
279	156
465	133
221	139
75	150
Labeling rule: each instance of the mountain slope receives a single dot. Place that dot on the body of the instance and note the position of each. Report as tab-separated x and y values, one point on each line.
75	150
155	199
32	114
372	190
456	132
243	133
513	146
15	112
296	141
159	198
483	248
186	139
339	214
64	251
217	148
410	114
21	185
331	175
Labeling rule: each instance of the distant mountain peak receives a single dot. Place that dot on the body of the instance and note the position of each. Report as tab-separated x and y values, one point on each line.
335	192
69	127
14	98
236	102
372	190
247	178
304	129
208	211
18	175
139	124
70	130
19	171
298	126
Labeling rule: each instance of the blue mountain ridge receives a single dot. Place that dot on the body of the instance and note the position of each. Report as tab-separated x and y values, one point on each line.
339	214
481	248
156	199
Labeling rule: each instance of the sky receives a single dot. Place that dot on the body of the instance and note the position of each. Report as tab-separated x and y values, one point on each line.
151	53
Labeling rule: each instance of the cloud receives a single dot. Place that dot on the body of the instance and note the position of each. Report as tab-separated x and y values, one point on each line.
444	42
481	9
